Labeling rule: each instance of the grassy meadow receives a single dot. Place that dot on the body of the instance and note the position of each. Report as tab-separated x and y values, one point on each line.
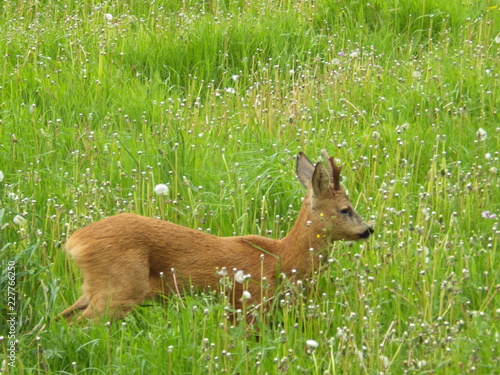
100	101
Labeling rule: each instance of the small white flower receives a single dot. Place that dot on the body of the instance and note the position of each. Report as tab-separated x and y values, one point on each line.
108	17
422	363
222	272
336	61
487	157
497	39
246	295
19	220
313	344
1	176
161	189
240	277
291	71
235	77
416	74
385	361
481	134
230	90
354	54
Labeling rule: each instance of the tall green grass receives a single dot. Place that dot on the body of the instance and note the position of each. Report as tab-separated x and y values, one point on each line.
101	101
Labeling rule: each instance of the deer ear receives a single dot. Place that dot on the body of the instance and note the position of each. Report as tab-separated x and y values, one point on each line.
320	179
305	170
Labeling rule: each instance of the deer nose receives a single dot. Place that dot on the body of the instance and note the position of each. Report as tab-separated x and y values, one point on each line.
367	233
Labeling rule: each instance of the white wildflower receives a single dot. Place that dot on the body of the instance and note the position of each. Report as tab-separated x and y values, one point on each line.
235	77
230	90
1	176
497	39
161	189
416	74
422	363
222	272
108	17
19	220
313	344
385	361
354	54
246	295
481	134
240	277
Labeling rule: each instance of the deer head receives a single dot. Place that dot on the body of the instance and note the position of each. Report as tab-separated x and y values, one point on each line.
331	211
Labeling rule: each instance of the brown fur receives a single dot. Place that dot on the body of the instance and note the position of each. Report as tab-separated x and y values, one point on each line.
128	258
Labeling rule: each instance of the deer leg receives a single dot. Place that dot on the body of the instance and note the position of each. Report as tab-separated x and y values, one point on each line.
81	304
114	299
109	307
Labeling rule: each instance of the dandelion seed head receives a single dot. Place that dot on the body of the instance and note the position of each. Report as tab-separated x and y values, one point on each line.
161	189
416	74
422	363
313	344
19	220
385	361
222	272
481	134
240	277
246	295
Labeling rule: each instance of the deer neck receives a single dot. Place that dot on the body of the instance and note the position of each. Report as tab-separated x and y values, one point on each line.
305	241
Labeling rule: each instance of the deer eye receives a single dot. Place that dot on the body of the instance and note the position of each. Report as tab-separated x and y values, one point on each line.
346	211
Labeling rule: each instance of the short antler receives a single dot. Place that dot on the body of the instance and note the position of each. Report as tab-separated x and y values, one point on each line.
333	170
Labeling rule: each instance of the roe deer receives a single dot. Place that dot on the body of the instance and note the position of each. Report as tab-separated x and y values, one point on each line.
127	258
